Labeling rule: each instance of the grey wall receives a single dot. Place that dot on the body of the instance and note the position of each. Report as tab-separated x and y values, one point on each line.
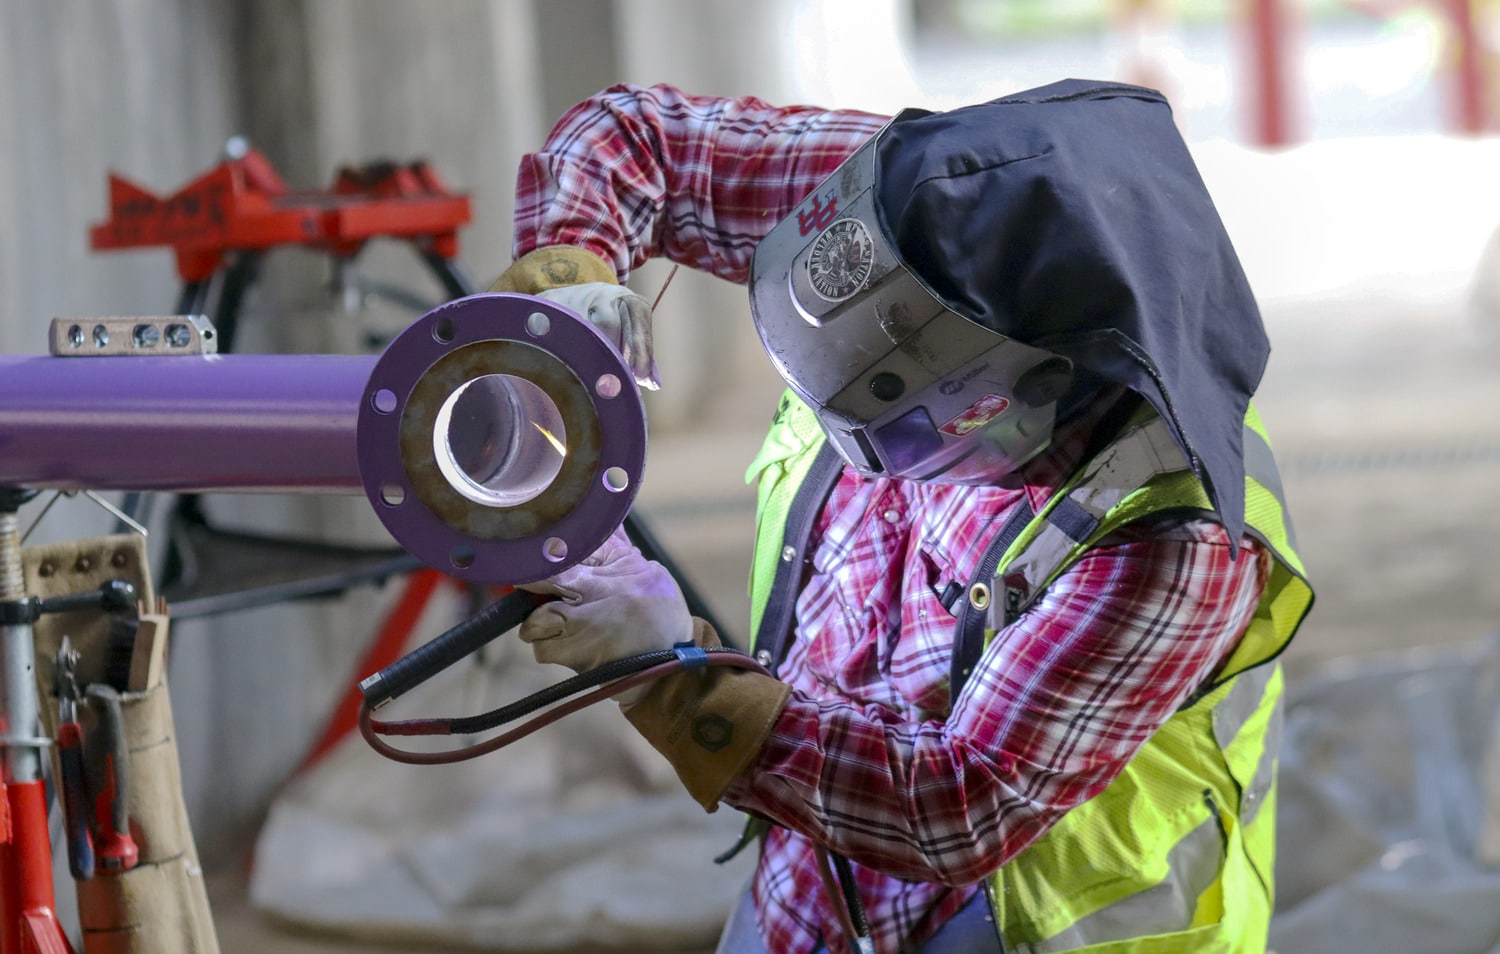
153	89
139	85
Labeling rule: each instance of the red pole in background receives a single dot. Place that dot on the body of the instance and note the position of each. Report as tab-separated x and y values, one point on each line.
384	649
1269	32
1468	73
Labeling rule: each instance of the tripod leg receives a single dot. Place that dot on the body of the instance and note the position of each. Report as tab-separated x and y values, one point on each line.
193	299
449	274
240	275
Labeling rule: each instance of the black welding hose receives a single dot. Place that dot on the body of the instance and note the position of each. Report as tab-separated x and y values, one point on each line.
677	659
609	672
676	662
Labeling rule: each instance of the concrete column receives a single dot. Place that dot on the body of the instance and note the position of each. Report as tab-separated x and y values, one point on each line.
136	86
706	346
850	54
324	83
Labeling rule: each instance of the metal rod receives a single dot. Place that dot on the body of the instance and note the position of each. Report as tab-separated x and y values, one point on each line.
117	513
449	273
264	423
12	581
236	282
19	702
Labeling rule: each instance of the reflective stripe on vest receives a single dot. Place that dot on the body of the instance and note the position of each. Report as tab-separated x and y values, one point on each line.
1260	466
1142	453
1230	716
1127	465
1194	861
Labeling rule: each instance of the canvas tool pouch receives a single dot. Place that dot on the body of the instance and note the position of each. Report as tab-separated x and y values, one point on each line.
160	906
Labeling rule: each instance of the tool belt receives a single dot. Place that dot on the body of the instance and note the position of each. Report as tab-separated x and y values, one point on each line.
160	904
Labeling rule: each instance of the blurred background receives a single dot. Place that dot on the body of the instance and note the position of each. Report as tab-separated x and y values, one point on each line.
1349	146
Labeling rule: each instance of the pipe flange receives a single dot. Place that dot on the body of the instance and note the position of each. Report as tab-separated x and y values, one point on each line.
501	438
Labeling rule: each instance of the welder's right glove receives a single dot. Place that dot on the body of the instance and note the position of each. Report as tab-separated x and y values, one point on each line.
709	723
584	283
613	604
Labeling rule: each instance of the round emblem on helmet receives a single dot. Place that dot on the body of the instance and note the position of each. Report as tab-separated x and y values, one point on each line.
840	260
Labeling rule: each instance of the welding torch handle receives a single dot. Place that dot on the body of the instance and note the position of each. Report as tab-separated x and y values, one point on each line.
432	657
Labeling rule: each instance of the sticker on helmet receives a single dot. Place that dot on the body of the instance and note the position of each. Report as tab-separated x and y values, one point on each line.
978	414
840	260
817	218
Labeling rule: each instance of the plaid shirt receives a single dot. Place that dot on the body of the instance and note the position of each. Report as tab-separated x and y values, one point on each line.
871	758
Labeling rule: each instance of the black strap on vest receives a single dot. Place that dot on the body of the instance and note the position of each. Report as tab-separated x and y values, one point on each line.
773	636
968	633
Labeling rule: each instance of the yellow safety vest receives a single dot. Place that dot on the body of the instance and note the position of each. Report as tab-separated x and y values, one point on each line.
1177	853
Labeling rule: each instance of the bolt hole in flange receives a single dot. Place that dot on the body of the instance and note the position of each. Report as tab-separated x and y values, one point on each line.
385	401
501	438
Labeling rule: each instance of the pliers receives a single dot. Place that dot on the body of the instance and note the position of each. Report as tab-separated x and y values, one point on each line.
72	782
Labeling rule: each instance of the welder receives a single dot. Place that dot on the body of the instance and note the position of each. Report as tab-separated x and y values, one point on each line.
1022	568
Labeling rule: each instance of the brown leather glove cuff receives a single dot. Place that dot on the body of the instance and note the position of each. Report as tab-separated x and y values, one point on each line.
554	266
709	723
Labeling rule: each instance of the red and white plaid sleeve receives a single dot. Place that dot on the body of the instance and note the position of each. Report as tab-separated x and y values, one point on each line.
640	172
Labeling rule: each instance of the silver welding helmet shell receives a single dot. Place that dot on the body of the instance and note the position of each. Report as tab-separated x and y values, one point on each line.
927	299
903	385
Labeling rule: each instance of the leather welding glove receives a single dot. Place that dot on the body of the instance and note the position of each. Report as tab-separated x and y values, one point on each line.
623	316
709	722
614	604
582	282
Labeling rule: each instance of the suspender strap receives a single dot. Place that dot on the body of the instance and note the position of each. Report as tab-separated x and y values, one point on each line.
973	609
1069	518
772	638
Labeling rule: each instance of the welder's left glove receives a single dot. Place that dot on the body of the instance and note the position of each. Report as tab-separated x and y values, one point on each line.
709	723
622	316
582	282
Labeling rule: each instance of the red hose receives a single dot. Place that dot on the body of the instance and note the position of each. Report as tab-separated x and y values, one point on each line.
372	729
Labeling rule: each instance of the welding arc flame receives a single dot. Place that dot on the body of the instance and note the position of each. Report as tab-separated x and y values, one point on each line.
557	445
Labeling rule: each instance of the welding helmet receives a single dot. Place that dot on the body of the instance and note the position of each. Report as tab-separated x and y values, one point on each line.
904	384
968	278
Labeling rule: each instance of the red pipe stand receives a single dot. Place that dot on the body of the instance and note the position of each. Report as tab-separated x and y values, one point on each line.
28	915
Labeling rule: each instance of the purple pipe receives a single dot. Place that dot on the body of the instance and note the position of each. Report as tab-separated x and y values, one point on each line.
258	423
500	438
